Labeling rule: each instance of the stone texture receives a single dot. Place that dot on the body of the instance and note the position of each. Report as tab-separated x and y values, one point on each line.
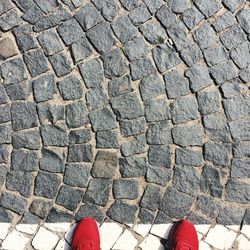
7	48
54	135
40	207
215	55
159	133
133	166
199	77
80	152
105	164
209	102
208	8
243	19
224	21
175	204
136	145
36	62
184	109
88	16
107	139
77	175
165	57
102	37
50	42
231	216
98	191
187	180
165	16
176	84
10	19
120	86
153	32
240	168
124	29
192	54
13	71
192	17
61	63
159	156
44	88
233	4
81	49
80	136
141	68
211	181
5	113
140	14
122	212
47	184
18	91
187	135
90	210
240	129
96	98
70	31
133	127
189	157
158	175
126	189
4	154
114	63
69	197
5	133
241	55
151	86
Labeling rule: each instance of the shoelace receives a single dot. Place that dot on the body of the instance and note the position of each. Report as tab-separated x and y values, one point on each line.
86	245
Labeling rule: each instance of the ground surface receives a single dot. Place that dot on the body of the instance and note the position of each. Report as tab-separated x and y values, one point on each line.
134	112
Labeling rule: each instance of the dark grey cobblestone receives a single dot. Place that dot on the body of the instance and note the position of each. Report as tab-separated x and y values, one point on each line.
124	110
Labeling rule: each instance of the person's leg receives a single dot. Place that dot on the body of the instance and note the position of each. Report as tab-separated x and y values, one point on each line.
183	236
86	235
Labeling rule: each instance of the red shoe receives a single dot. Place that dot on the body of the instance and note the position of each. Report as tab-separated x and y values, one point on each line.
86	235
183	236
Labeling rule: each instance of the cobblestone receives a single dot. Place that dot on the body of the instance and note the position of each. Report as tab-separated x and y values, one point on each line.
133	112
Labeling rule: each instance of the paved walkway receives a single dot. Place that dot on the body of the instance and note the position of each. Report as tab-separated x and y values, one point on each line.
135	112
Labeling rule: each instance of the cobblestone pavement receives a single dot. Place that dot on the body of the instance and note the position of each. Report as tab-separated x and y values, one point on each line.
134	112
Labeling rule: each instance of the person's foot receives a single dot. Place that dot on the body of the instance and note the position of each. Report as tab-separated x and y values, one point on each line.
86	235
183	236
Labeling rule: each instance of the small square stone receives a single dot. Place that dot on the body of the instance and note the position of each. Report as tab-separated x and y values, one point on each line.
96	98
184	109
159	156
233	36
165	57
199	77
243	19
80	136
92	73
71	88
10	19
23	115
232	4
159	133
151	86
44	88
77	175
19	91
153	32
107	139
179	6
224	21
185	156
136	145
140	14
130	4
54	135
50	42
187	135
209	102
205	36
114	63
88	16
241	55
98	191
176	84
127	106
48	6
103	119
124	29
69	197
5	133
80	153
36	62
153	5
70	31
61	63
140	68
166	16
136	49
224	71
192	54
13	71
24	160
126	189
192	17
215	55
52	182
5	115
5	6
32	14
102	37
120	86
133	127
24	37
159	175
81	49
157	110
208	7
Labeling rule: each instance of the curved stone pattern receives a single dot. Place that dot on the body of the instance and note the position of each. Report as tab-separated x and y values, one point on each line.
133	111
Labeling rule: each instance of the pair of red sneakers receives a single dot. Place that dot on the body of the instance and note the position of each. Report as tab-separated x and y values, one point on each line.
182	236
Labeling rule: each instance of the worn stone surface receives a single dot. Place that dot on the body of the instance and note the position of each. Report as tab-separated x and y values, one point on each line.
189	157
80	152
208	102
120	86
126	189
159	156
7	48
81	49
136	145
192	17
142	67
133	126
